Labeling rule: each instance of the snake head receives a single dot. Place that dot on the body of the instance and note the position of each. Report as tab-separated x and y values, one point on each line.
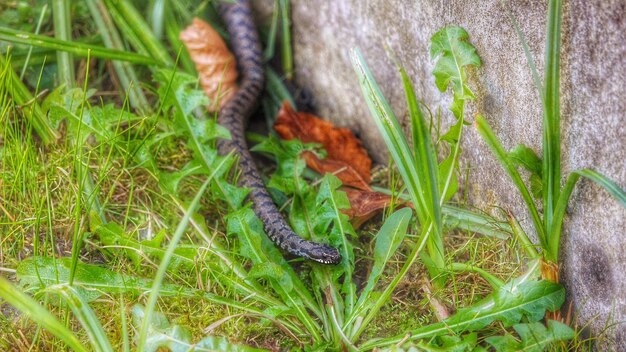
324	254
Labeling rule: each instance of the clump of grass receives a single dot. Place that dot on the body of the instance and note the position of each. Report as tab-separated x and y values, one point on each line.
546	170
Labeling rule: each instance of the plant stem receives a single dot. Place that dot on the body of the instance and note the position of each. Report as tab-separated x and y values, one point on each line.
492	280
521	236
287	53
63	31
111	38
30	49
158	278
73	47
134	21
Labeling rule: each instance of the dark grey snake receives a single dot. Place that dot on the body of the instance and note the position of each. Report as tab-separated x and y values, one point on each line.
245	45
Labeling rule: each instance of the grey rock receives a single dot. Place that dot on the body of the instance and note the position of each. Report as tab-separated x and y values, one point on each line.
593	105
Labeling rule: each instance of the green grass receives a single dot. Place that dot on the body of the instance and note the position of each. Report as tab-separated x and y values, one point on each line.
122	229
546	169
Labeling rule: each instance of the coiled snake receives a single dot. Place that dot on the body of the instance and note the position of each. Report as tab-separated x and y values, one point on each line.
233	115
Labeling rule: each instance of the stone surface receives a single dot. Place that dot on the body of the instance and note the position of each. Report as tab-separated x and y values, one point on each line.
593	105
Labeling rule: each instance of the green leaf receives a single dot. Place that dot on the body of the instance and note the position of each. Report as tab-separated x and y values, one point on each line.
448	343
522	297
559	212
175	338
455	217
392	133
523	156
388	240
330	203
73	47
114	235
445	167
509	304
496	147
171	180
92	281
451	51
290	166
85	315
38	314
534	337
428	176
175	90
257	247
248	228
536	186
452	136
272	271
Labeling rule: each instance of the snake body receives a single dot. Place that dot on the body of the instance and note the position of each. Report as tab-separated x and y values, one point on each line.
234	114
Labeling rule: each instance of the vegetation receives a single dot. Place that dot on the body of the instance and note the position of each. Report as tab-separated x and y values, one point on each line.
123	229
545	179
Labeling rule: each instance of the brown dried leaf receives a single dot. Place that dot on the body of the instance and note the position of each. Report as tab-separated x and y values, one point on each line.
346	158
365	204
215	63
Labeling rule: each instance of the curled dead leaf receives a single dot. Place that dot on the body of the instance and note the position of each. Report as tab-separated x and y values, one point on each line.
215	63
364	205
346	158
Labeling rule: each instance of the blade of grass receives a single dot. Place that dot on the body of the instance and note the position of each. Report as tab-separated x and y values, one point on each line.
492	280
286	50
559	211
73	47
157	13
22	97
529	58
392	133
38	314
270	45
521	236
426	167
63	31
132	19
495	145
384	297
85	315
348	287
551	166
111	38
388	240
158	279
30	49
172	31
124	324
277	88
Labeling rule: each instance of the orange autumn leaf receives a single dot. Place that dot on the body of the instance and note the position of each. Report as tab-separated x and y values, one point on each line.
346	158
365	204
215	63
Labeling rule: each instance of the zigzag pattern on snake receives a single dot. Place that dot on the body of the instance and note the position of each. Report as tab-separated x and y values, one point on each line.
234	114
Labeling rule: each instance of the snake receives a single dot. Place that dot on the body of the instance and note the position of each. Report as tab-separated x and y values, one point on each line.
246	47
